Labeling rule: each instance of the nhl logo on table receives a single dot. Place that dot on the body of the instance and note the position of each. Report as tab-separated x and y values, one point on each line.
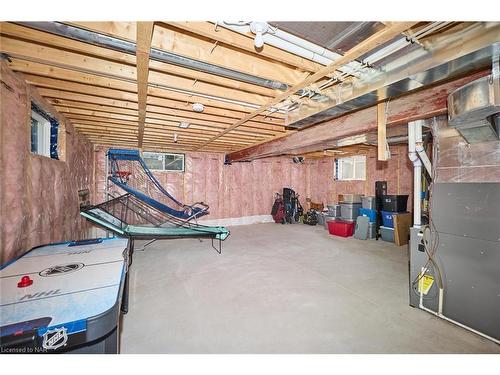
53	339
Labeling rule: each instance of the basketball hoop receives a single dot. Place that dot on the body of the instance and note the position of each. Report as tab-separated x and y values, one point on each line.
123	174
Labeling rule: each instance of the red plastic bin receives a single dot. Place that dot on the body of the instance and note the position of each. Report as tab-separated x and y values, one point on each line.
341	228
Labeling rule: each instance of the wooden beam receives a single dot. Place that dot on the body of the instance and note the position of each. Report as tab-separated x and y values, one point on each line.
382	145
422	104
242	42
126	114
191	117
156	67
193	46
94	95
144	35
367	45
107	68
118	126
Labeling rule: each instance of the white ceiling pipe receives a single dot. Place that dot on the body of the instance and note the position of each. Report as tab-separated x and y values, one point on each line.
279	43
351	67
403	42
293	48
417	175
315	48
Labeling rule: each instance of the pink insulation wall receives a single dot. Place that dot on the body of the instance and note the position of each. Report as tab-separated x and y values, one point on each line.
231	191
247	189
459	161
38	195
397	171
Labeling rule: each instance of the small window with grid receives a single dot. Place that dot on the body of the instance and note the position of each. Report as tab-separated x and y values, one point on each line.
159	161
351	168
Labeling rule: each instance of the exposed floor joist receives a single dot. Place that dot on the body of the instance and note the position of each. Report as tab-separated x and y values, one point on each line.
367	45
144	34
111	95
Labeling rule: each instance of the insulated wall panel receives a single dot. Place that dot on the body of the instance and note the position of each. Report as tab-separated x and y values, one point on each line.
39	196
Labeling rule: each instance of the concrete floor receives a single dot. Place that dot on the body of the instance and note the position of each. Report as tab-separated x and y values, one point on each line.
281	289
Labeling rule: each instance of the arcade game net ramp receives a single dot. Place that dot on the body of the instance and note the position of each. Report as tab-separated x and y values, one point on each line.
127	216
129	172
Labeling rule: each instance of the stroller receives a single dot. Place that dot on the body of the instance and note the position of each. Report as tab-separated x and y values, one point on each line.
293	209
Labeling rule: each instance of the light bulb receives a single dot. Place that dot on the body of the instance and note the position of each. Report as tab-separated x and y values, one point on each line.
259	40
259	29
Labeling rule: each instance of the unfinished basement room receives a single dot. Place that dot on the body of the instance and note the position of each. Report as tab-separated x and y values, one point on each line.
250	187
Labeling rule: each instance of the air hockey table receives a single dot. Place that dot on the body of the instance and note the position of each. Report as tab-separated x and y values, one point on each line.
65	297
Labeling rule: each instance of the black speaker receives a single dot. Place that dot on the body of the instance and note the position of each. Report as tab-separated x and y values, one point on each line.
380	191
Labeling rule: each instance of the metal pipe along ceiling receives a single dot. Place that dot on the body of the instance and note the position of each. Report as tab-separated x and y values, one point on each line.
125	46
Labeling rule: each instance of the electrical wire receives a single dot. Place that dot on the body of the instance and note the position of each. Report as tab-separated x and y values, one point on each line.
430	240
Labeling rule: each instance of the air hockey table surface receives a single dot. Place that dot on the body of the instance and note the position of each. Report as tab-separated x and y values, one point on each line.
64	297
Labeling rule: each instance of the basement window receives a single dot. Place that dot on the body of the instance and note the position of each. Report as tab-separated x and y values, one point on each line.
159	161
351	168
44	129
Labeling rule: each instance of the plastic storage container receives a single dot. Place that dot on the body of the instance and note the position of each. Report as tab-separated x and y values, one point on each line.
368	202
387	234
372	230
334	210
351	198
321	218
394	203
341	228
371	214
327	219
388	219
349	211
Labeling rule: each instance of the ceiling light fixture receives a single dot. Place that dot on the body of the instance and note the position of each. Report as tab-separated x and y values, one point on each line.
198	107
259	29
184	125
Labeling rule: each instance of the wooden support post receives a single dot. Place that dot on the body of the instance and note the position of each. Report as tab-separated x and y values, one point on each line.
425	103
382	148
144	35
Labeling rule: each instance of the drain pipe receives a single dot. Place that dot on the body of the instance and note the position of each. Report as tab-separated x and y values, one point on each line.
417	173
121	45
419	145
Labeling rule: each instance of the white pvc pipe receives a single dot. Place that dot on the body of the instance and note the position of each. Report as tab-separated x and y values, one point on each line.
417	183
411	138
312	52
417	172
419	148
425	159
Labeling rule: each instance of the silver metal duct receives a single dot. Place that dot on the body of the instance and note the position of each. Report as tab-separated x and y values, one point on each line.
474	108
419	68
126	46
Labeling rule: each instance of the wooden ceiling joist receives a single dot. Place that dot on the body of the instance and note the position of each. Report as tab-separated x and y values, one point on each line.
156	67
144	35
160	127
367	45
100	92
110	112
189	45
99	66
230	38
127	99
58	94
79	88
